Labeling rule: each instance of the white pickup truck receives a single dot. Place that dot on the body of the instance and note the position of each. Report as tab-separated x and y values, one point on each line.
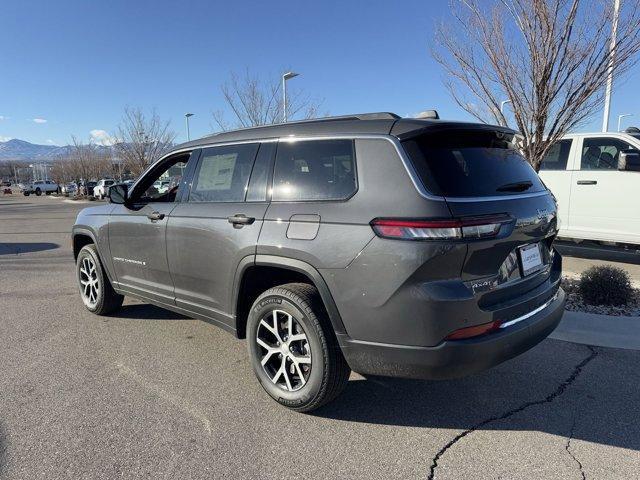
39	187
596	179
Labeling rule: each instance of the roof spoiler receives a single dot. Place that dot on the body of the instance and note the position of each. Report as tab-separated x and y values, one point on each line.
430	114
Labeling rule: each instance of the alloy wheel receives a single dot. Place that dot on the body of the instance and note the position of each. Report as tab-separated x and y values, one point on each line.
89	283
285	351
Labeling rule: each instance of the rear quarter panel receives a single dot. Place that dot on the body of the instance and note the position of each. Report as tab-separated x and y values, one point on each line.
384	190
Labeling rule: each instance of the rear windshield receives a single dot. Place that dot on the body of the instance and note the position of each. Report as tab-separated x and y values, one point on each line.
471	164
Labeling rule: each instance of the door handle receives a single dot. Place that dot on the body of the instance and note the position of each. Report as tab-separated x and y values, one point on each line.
240	220
587	182
155	216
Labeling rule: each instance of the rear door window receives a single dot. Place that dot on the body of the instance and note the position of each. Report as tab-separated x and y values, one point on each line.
223	173
314	170
471	163
557	157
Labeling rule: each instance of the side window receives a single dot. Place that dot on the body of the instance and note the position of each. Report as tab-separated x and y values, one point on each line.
314	170
223	173
601	153
160	184
557	157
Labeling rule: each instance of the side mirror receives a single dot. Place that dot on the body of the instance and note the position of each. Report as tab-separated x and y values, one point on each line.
629	160
118	194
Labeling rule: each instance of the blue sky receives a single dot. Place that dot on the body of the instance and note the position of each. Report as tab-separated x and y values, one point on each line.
70	67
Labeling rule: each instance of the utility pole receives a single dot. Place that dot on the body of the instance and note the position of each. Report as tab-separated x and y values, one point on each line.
612	46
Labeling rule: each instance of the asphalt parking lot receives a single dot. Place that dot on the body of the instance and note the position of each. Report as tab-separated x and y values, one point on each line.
151	394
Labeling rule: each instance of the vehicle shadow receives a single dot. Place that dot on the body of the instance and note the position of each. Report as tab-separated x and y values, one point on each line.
17	248
601	404
146	311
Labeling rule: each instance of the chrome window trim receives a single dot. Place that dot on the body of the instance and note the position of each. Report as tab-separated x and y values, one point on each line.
413	175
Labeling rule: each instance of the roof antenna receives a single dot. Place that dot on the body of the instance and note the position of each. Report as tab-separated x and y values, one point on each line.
431	114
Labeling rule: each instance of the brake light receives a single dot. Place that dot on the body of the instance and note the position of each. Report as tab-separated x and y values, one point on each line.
439	229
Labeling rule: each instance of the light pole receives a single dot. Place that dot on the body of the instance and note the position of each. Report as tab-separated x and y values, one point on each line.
186	119
612	46
286	77
502	104
620	117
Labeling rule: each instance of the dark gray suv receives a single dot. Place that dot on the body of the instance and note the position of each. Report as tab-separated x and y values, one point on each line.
373	243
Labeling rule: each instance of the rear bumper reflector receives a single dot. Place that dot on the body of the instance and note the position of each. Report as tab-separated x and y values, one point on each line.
484	328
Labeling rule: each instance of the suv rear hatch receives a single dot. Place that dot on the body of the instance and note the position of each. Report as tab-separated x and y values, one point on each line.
482	176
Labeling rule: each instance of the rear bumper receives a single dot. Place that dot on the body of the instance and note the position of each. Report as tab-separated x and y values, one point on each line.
457	358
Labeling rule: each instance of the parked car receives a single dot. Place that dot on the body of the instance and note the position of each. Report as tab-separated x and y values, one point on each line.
596	179
373	243
6	183
101	189
89	186
70	189
39	187
161	185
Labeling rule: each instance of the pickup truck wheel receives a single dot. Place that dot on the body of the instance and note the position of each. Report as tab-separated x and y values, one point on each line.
95	289
38	192
293	348
26	194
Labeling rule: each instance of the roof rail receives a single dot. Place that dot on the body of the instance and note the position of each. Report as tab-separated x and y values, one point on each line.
358	116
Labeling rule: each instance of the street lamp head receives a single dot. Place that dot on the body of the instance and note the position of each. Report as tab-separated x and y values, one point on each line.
289	75
188	115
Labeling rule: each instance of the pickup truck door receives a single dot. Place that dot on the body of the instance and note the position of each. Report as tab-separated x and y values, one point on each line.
137	233
556	171
604	201
217	225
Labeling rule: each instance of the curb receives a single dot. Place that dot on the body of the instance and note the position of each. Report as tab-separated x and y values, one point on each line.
599	330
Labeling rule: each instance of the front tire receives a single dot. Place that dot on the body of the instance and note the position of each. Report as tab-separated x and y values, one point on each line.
293	348
95	289
38	192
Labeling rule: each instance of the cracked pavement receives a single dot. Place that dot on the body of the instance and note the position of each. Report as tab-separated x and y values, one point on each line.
151	394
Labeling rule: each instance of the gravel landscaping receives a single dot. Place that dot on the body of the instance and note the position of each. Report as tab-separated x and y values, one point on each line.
575	302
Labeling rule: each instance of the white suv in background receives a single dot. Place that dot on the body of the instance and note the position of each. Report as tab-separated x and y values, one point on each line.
596	180
101	189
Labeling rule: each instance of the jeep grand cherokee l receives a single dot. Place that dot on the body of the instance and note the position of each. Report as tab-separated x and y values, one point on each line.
372	243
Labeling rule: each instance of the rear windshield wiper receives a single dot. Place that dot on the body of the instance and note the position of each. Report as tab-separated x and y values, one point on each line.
515	187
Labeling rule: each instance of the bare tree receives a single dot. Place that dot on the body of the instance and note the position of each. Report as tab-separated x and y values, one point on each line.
83	161
254	102
141	139
9	169
550	58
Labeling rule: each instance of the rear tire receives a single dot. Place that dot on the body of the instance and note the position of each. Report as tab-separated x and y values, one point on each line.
26	194
96	291
304	350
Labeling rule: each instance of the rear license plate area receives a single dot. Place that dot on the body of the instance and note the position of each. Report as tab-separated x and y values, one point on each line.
530	259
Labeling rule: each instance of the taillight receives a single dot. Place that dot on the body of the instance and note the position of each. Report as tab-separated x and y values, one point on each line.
439	229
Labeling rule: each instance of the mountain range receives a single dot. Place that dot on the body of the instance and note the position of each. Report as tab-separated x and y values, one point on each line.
15	149
21	150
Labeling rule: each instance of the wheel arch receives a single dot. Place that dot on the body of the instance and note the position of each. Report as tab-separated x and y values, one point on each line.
82	236
287	270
